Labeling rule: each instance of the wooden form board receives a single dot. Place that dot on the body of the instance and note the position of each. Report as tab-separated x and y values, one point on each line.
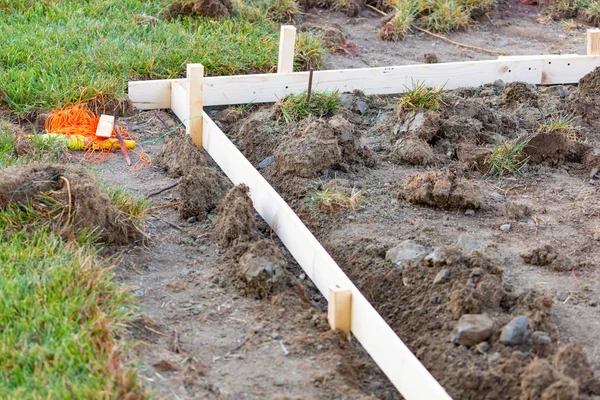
267	88
393	357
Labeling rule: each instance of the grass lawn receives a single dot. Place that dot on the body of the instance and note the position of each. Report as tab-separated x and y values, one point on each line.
59	51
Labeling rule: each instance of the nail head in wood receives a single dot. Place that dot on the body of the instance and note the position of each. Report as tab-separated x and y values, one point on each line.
195	74
593	42
339	309
287	42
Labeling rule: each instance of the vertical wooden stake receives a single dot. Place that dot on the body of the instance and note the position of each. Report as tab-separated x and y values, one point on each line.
339	308
287	42
195	73
593	42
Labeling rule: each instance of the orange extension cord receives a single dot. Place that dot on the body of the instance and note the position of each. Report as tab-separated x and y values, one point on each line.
79	119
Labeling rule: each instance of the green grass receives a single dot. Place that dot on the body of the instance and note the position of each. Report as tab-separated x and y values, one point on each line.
60	308
420	97
507	158
334	201
434	15
587	10
65	51
295	107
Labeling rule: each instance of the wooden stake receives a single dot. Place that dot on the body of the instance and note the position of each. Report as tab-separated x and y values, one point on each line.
287	42
195	74
339	309
123	146
593	42
105	126
309	93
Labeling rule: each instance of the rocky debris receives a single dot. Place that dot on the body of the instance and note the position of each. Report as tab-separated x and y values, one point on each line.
505	227
472	329
236	218
200	191
261	268
412	150
442	190
519	93
515	331
473	156
547	256
266	162
407	251
442	276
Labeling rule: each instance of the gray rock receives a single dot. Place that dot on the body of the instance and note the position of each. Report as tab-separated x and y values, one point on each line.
467	243
499	84
594	172
442	276
470	213
266	162
541	338
514	332
560	91
483	347
191	220
473	329
406	251
476	272
505	227
495	357
361	105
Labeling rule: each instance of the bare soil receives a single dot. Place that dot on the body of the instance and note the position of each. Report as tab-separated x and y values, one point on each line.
500	246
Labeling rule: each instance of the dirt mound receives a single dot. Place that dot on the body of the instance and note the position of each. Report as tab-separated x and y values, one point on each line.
74	189
519	93
548	256
178	154
442	190
434	293
257	136
585	102
262	268
198	8
547	148
237	218
200	191
312	148
413	151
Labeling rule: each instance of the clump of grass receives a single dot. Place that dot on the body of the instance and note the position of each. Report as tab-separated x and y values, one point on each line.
563	124
17	148
586	11
446	16
295	107
283	10
507	158
309	52
397	27
420	97
135	210
334	201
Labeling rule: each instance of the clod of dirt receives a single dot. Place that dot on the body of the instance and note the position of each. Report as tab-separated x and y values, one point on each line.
547	148
412	150
200	191
350	141
332	35
261	268
256	137
198	8
572	362
430	58
548	256
473	156
312	148
178	153
541	381
519	93
236	218
442	190
91	209
517	210
586	102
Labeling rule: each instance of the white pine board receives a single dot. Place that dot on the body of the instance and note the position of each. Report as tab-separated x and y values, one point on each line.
403	369
150	95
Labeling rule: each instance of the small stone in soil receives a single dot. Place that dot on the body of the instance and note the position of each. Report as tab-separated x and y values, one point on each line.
279	382
470	213
191	220
442	276
275	335
495	357
408	250
361	105
473	329
505	227
266	162
514	332
483	347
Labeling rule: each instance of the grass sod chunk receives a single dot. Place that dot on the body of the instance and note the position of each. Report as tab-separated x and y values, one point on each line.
420	97
294	107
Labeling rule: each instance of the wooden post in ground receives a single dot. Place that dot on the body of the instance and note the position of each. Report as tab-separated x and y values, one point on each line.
593	42
287	42
339	309
195	73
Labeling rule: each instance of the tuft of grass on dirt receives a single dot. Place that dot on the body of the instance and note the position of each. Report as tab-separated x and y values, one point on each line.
68	51
333	201
294	107
507	158
17	148
434	15
309	51
563	124
283	10
420	97
586	11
